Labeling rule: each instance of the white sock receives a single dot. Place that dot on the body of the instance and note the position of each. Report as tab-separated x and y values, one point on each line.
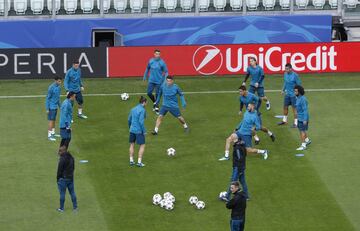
53	131
268	102
139	160
269	133
131	159
303	144
156	129
226	153
307	139
80	111
285	119
296	122
185	125
260	151
256	138
49	133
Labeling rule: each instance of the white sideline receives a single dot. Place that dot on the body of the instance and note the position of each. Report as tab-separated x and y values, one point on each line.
188	93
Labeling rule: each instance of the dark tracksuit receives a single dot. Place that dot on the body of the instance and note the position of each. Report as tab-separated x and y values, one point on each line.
65	178
237	205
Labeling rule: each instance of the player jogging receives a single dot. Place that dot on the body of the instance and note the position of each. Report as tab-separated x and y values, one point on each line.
158	71
169	91
66	111
303	116
73	83
136	123
244	131
247	97
51	104
256	82
290	80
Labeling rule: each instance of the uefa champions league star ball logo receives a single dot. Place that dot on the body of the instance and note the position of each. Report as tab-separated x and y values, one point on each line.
207	60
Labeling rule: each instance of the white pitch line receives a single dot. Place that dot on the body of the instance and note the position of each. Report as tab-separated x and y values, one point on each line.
187	93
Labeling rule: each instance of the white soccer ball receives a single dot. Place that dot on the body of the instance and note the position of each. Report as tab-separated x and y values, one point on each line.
167	194
171	152
200	205
193	200
124	96
169	205
222	194
171	198
156	199
162	203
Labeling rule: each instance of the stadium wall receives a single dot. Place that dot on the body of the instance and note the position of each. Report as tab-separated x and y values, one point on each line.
168	31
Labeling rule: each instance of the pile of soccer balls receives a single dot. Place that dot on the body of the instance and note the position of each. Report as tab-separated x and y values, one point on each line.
124	96
166	202
193	200
171	152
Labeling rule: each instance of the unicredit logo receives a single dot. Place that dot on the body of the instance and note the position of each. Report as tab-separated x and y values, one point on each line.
207	60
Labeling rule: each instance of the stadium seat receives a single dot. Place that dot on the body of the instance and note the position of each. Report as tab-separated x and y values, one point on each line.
333	3
57	6
70	6
155	5
136	6
186	5
302	4
252	4
318	4
219	5
170	5
2	6
120	6
236	4
268	4
285	4
351	4
204	5
37	6
87	6
106	5
20	6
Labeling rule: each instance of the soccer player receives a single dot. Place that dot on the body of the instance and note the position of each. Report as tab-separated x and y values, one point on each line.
136	121
73	83
158	71
247	97
52	103
244	131
256	83
303	116
66	111
290	80
170	103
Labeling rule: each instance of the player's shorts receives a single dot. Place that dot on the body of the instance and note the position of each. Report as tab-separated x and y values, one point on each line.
260	91
65	133
52	114
139	138
302	127
173	110
79	98
152	86
246	138
289	101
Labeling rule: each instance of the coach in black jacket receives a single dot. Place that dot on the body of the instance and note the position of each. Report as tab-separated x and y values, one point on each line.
237	205
65	177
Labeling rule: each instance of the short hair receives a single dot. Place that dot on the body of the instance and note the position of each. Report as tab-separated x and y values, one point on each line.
142	99
170	77
288	65
253	58
76	61
58	78
156	50
62	149
70	94
236	183
242	88
300	89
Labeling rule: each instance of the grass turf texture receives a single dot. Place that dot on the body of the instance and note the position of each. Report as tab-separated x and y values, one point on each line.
315	192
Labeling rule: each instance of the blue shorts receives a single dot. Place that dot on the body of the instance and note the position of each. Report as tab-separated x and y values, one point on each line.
65	133
52	114
246	138
260	91
79	98
173	110
139	138
289	101
302	127
151	87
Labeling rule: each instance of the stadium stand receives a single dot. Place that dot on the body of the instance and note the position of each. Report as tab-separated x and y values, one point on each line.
186	5
219	5
2	7
87	6
170	5
236	5
269	4
252	4
120	6
136	6
37	6
20	6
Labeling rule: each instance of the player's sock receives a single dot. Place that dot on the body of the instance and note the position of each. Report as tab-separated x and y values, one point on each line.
156	129
295	122
303	144
307	139
49	133
285	119
260	151
139	160
131	159
80	111
53	131
185	125
269	133
227	153
256	138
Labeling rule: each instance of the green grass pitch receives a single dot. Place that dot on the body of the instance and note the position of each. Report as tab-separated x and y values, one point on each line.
319	191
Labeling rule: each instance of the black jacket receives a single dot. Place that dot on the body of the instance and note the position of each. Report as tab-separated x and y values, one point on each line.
66	166
237	205
239	155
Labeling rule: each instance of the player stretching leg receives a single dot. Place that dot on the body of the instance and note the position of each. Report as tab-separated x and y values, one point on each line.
170	103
